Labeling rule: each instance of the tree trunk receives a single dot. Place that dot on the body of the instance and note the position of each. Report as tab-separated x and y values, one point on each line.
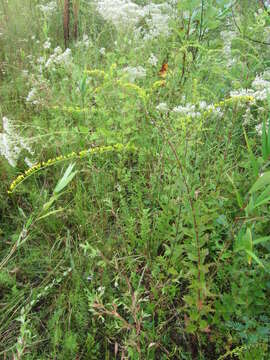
66	19
76	7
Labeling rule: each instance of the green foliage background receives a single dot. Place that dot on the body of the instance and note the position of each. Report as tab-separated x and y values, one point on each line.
157	253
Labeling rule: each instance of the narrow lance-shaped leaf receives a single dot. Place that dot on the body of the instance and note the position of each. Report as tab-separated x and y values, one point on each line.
254	162
264	142
255	257
261	182
66	179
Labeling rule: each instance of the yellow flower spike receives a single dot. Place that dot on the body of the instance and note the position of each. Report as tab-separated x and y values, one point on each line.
95	72
52	161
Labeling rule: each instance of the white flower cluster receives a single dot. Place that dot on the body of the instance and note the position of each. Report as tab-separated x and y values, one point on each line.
102	51
191	110
126	14
11	143
32	97
84	43
59	58
162	107
47	44
153	60
157	17
228	37
187	110
133	73
260	88
48	9
258	129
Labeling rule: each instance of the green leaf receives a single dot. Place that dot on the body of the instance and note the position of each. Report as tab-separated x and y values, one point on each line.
261	240
263	195
66	179
253	160
238	196
49	203
261	182
264	142
253	256
268	139
264	201
50	213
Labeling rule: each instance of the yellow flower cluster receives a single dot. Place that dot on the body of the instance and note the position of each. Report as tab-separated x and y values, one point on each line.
244	98
158	84
141	92
72	155
222	104
95	72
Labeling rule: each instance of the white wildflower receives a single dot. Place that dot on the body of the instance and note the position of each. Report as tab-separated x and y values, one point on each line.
125	14
85	42
228	37
134	73
187	110
258	129
163	107
153	60
41	60
260	88
59	58
11	143
202	105
247	117
102	51
260	83
32	96
7	127
47	44
48	9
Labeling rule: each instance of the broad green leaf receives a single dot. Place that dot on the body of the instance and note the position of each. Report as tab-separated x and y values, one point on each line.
66	179
261	182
